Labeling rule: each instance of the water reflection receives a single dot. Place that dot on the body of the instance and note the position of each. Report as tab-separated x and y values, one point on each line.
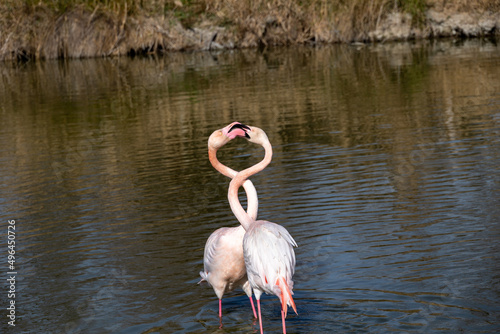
385	172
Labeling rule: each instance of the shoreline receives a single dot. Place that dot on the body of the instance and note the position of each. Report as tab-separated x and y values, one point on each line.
78	32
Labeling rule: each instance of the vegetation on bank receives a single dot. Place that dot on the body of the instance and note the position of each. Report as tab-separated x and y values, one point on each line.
88	28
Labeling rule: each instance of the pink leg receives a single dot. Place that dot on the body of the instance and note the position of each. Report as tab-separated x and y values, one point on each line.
260	317
220	308
253	308
283	320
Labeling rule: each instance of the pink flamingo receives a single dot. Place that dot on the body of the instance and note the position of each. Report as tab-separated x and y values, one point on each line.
267	247
224	264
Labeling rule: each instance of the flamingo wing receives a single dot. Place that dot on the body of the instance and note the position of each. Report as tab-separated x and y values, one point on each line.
269	256
211	249
224	266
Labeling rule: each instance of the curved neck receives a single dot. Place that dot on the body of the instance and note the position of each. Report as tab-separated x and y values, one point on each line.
244	219
223	169
252	199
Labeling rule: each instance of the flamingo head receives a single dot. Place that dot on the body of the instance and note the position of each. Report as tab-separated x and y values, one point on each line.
222	136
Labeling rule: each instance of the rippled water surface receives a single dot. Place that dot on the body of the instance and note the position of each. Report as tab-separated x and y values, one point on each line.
385	171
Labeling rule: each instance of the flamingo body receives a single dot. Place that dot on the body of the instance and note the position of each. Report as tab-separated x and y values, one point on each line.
267	247
270	261
223	262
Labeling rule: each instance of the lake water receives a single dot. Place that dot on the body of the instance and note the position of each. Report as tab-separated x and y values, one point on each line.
385	171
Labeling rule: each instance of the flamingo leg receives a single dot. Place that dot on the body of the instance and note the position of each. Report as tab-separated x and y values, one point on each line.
283	320
260	317
220	308
253	307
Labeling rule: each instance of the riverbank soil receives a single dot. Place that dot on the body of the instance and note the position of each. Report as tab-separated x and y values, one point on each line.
39	30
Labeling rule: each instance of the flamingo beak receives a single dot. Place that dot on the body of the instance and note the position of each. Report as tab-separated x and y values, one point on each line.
242	127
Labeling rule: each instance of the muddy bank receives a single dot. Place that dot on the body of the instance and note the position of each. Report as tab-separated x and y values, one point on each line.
42	33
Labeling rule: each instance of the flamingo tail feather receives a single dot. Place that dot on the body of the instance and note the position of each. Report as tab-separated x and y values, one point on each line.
286	296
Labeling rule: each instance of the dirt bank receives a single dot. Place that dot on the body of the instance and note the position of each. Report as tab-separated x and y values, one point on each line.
40	32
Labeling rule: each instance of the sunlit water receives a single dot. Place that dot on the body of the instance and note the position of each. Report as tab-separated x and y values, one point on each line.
386	173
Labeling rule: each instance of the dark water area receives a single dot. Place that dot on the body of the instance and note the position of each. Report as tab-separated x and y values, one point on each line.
385	171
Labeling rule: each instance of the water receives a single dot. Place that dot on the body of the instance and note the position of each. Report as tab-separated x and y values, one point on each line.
386	172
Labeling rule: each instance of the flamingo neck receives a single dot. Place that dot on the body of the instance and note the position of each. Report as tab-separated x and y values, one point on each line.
252	199
223	169
244	219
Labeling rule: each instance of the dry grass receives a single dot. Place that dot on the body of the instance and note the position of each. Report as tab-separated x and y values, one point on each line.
76	32
89	28
315	20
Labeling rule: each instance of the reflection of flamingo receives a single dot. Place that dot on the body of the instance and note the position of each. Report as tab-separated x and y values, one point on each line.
267	247
224	265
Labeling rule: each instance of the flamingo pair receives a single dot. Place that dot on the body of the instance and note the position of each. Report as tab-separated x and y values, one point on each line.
257	255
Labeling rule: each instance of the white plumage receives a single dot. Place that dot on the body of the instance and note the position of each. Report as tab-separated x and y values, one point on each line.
269	256
223	262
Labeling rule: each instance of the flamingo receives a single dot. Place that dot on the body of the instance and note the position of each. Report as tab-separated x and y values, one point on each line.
267	247
224	264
